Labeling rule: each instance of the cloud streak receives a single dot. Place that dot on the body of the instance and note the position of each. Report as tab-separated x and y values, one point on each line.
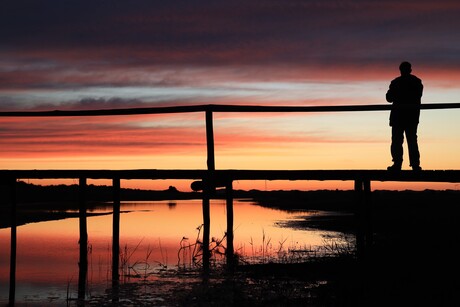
218	32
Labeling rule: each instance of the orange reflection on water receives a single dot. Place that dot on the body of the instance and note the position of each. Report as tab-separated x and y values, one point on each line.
151	232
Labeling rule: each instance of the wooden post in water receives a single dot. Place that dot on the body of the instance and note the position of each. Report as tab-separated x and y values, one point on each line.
368	231
206	230
116	230
359	218
230	251
364	237
83	263
116	242
13	217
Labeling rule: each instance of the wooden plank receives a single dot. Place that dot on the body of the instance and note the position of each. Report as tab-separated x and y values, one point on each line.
373	175
224	175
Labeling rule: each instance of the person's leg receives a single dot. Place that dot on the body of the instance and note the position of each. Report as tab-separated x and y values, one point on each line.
412	144
397	140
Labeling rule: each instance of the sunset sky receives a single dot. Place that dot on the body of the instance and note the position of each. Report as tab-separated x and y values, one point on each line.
77	55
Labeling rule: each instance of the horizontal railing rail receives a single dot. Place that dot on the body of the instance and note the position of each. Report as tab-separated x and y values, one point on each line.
219	108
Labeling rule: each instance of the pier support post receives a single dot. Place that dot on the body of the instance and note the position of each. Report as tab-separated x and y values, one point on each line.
83	263
230	250
368	215
116	241
116	230
206	229
13	242
364	232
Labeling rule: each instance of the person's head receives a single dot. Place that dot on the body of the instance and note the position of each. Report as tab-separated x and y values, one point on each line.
405	68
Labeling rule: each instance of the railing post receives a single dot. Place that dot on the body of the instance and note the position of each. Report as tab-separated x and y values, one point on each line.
210	141
83	263
13	217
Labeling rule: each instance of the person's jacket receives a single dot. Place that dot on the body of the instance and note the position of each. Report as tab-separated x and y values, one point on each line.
405	93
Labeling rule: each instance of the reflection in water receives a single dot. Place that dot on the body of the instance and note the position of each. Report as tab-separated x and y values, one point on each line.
151	236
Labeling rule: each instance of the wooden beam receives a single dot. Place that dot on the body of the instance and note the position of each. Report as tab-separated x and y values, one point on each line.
106	112
224	175
219	108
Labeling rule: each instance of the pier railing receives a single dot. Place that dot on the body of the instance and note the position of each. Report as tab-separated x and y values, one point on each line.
209	109
208	179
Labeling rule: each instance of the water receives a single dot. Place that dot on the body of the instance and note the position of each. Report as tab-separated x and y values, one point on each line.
151	236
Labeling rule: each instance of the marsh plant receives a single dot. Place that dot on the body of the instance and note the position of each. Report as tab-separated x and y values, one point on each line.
191	251
344	246
190	254
140	267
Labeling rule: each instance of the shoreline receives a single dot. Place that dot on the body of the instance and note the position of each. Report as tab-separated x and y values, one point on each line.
341	202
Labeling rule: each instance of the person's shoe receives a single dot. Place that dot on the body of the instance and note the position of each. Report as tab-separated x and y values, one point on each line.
394	167
416	168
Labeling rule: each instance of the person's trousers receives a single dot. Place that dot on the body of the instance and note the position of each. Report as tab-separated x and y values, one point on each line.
397	140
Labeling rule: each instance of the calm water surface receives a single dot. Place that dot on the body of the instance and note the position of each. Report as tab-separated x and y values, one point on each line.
151	236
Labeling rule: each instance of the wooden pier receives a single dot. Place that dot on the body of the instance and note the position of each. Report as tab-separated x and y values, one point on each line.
207	180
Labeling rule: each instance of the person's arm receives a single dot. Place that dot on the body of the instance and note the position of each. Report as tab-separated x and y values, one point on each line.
389	95
421	89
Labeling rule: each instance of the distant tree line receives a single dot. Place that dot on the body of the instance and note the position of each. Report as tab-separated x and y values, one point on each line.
27	192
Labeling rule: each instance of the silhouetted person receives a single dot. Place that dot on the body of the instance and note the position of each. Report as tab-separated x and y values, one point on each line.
405	93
